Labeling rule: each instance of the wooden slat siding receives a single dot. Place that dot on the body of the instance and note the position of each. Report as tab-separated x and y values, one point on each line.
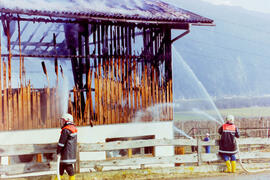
109	89
113	100
104	94
91	100
152	82
52	106
100	93
142	88
76	106
34	109
48	108
154	87
30	121
117	81
39	121
163	99
96	122
14	108
135	88
167	100
146	89
20	113
119	101
87	102
5	109
131	87
126	90
10	110
171	100
24	105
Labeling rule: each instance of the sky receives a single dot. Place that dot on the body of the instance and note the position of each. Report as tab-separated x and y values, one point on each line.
254	5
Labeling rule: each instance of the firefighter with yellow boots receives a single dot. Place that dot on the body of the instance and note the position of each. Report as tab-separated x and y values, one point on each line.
227	143
67	146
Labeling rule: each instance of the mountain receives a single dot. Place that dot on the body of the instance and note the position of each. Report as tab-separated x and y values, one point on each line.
229	59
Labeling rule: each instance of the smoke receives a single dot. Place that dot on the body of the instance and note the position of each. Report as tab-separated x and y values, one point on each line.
63	91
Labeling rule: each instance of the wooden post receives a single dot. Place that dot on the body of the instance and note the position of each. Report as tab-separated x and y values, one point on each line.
199	152
77	165
15	111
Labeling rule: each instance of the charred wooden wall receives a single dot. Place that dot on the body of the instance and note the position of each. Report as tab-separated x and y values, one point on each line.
122	73
126	69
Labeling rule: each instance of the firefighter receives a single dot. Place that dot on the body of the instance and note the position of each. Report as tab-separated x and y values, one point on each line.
227	144
67	146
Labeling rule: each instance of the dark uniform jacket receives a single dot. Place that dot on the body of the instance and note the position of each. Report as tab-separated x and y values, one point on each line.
227	144
67	144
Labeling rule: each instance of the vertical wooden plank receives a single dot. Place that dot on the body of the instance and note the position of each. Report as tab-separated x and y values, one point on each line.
109	108
30	122
34	109
24	101
39	123
5	109
75	116
20	111
116	68
123	102
168	100
156	86
113	100
131	87
163	100
10	110
96	99
104	90
135	85
171	101
119	103
15	111
48	112
100	101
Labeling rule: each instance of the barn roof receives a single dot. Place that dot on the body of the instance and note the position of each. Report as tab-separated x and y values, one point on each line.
137	11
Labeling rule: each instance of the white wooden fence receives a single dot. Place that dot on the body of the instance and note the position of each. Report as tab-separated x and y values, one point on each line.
199	157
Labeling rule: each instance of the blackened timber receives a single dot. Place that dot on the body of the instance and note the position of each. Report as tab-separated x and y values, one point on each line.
86	39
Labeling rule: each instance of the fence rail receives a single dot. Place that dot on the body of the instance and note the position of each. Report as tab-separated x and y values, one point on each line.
199	157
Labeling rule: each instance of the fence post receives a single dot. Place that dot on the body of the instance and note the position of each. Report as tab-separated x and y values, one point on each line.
77	164
199	152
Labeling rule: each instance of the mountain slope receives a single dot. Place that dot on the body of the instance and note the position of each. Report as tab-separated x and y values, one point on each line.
232	58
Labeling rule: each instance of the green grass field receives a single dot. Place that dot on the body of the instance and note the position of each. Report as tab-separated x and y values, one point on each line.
251	112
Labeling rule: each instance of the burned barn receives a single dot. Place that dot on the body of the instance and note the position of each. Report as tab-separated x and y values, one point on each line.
120	62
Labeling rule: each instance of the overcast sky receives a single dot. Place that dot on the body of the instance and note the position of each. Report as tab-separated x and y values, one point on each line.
255	5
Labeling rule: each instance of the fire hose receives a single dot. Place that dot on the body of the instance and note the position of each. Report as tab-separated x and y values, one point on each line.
58	167
241	164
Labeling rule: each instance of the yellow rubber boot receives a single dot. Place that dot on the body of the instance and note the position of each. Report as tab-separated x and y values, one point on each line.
233	166
229	167
71	177
61	177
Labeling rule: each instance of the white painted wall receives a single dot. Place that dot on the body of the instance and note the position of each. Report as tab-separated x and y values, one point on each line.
95	134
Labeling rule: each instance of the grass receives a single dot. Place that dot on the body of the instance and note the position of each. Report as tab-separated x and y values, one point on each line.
249	112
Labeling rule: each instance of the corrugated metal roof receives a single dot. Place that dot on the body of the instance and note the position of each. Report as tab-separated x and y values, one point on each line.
147	11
